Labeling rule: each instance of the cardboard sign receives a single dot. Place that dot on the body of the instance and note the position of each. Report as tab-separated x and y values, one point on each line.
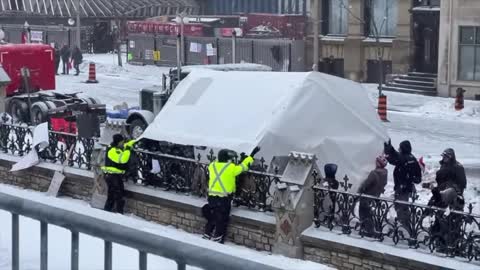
195	47
55	184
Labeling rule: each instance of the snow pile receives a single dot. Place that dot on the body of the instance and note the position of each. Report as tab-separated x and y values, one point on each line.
91	249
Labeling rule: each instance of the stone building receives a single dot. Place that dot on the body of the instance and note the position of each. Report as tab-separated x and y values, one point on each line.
459	48
348	46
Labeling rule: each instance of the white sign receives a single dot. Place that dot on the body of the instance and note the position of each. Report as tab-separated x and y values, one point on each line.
195	47
36	36
211	51
55	184
40	138
132	44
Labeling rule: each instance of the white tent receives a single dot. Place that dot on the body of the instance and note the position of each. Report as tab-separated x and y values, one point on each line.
281	112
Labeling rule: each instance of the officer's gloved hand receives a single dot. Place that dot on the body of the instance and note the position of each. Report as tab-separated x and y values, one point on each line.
129	145
387	147
255	151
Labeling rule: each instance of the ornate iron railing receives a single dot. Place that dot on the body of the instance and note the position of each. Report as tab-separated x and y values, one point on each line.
65	148
190	175
453	233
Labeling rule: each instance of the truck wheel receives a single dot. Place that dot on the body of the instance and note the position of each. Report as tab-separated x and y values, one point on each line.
39	112
19	110
137	127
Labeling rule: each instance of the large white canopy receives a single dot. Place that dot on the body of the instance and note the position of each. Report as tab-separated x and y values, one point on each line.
330	117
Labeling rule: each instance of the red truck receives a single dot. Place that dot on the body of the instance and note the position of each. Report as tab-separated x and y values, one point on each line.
22	92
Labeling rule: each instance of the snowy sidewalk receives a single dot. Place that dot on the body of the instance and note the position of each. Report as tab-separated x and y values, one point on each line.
91	249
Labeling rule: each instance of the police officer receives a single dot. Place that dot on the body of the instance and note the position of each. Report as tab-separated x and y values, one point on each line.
116	163
221	187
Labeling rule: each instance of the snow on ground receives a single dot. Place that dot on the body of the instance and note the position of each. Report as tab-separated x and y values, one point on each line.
430	123
116	84
91	249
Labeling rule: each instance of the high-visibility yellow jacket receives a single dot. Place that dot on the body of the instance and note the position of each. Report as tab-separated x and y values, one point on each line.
116	159
222	177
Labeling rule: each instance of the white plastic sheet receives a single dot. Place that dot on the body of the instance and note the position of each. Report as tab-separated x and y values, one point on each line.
281	112
40	138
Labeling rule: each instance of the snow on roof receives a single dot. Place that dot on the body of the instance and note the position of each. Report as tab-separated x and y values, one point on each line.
229	67
426	8
281	112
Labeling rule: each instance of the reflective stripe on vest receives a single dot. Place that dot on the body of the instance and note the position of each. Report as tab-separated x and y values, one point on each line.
217	179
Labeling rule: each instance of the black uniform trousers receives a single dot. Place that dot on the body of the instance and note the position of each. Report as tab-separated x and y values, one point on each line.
219	216
65	66
115	201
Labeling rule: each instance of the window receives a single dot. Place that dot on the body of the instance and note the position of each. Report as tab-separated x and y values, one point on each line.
383	16
469	54
338	17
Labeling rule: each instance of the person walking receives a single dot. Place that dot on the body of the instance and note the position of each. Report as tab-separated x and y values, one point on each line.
374	185
221	187
407	172
77	58
65	54
116	163
57	58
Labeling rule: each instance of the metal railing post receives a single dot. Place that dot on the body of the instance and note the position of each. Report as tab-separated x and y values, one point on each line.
181	266
108	256
75	251
142	260
43	246
15	242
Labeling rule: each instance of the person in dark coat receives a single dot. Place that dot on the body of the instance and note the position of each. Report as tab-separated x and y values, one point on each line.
374	185
57	58
77	58
330	172
65	54
407	172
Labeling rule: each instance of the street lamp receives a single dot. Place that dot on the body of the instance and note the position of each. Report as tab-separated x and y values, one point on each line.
182	19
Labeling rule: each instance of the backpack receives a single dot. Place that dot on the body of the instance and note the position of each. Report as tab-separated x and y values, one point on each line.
413	172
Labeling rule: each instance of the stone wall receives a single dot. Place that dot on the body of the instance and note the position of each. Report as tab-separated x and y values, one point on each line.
186	214
38	178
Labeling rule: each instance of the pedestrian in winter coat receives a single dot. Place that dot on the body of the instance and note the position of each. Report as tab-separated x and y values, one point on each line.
57	58
374	185
407	172
330	174
77	58
450	166
65	54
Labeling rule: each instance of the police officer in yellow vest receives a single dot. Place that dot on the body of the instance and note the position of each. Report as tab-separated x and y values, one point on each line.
116	162
221	187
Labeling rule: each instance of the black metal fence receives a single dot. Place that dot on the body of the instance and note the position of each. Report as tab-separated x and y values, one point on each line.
280	54
181	172
453	233
65	148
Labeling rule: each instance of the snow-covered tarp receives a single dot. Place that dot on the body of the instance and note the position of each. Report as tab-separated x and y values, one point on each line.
312	112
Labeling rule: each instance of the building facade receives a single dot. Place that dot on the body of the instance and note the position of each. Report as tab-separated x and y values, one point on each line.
236	7
348	37
459	48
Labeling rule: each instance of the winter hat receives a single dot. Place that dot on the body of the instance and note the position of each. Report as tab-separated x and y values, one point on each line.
449	152
117	138
330	170
405	147
381	161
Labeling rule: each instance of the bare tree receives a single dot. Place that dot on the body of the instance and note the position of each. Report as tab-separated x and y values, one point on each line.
376	34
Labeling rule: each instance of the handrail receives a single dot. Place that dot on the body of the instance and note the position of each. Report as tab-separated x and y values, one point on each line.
181	252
